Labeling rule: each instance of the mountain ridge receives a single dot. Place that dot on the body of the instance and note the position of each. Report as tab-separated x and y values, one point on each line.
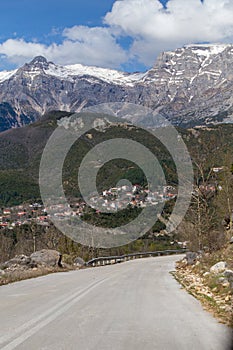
190	86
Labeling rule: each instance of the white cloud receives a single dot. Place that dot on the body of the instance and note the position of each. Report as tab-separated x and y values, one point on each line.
154	28
17	50
151	27
90	46
96	46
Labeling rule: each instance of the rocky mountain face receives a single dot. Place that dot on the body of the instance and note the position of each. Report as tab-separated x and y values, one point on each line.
193	85
190	86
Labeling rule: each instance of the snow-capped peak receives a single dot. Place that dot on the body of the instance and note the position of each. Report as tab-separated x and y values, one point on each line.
40	65
207	49
108	75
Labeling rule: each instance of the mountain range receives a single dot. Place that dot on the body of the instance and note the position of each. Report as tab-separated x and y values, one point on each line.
191	86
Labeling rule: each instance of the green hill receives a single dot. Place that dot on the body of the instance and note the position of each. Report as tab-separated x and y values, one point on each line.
21	150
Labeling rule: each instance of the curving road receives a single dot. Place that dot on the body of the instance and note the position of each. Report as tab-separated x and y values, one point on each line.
135	305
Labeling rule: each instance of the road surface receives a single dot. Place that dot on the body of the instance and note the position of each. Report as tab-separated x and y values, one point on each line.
136	305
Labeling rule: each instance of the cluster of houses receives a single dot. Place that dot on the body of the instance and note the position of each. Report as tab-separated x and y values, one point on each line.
22	214
113	199
117	198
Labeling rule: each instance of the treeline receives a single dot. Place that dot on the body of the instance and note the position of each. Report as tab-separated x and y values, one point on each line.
28	238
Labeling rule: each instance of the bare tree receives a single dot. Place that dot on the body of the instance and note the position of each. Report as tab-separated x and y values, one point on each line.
204	231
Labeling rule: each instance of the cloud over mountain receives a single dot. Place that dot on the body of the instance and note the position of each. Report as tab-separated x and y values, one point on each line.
81	44
149	25
155	28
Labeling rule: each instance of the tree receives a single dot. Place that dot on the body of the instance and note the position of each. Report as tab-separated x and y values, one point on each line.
203	229
225	196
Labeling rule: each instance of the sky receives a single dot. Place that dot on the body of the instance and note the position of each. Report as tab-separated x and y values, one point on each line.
120	34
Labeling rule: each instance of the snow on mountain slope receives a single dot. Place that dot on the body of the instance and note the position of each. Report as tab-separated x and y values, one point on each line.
4	75
204	51
207	49
192	85
39	65
109	75
173	68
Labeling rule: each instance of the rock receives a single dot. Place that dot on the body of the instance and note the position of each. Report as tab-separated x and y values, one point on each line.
47	257
2	273
65	266
231	240
206	274
21	260
222	280
226	284
219	267
79	262
191	258
228	274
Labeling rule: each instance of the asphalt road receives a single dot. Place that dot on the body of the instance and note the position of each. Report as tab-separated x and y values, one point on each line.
135	305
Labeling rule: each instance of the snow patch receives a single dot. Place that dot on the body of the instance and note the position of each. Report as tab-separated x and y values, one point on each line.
208	50
108	75
4	75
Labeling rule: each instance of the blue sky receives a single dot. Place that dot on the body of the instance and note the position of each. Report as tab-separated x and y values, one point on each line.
120	34
37	18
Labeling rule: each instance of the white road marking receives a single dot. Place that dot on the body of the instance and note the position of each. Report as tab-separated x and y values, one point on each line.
33	326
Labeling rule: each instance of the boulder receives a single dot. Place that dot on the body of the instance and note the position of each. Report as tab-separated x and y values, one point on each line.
79	262
228	274
20	260
47	257
191	258
218	267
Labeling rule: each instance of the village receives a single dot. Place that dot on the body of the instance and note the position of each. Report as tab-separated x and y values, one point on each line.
111	200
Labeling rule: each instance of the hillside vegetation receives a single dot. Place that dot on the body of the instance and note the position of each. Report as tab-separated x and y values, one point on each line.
206	225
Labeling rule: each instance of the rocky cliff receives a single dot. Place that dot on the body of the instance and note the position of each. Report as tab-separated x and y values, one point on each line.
190	86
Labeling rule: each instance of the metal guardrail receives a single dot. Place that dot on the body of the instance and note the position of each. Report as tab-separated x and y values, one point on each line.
110	260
